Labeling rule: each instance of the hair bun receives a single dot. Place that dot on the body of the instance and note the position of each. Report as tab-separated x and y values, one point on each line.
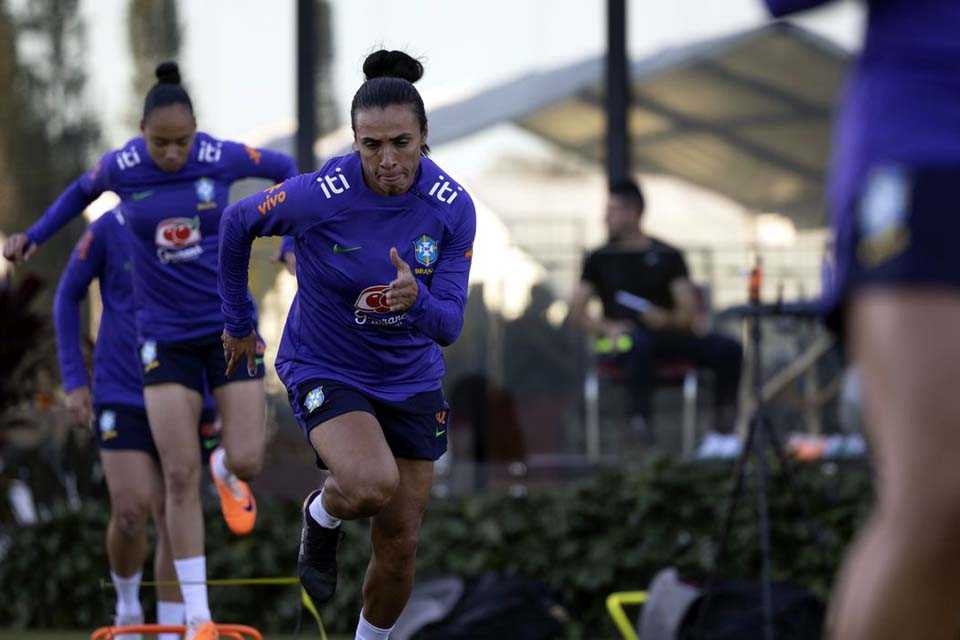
168	73
392	64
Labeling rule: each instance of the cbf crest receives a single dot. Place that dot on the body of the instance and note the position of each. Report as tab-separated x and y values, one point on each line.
108	425
148	356
425	250
205	193
314	399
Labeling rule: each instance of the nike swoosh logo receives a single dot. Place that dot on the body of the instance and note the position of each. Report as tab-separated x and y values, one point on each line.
338	249
440	433
140	195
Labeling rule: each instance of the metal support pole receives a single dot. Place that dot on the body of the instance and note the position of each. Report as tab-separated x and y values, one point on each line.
618	92
306	84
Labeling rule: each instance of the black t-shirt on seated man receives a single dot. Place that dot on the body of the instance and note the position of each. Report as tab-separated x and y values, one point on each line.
647	273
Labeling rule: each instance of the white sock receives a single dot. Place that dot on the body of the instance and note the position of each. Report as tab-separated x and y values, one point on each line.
366	631
128	594
226	476
320	514
169	613
192	574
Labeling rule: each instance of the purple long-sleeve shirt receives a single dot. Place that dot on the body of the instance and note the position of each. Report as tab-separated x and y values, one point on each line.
172	220
101	254
339	326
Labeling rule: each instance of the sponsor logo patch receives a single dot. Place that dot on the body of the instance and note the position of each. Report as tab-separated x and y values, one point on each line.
333	185
254	154
272	199
373	300
441	417
178	239
443	190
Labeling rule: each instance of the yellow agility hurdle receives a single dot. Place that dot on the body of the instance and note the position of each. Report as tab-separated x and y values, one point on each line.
615	604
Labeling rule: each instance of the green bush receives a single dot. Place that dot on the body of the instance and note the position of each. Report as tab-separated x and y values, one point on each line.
611	532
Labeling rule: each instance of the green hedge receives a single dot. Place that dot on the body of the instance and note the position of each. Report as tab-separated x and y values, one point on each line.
611	532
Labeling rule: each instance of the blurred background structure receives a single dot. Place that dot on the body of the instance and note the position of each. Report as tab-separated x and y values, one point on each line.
727	128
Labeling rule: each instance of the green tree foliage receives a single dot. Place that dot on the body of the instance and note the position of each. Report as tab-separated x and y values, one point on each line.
10	107
48	135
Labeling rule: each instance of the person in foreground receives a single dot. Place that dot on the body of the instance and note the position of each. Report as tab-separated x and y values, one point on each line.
173	183
669	326
383	240
896	294
115	413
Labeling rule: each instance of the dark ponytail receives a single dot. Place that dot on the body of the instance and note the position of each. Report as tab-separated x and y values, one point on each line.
167	91
389	81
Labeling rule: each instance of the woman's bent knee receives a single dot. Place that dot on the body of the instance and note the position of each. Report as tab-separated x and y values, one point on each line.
398	556
130	516
181	480
368	496
245	465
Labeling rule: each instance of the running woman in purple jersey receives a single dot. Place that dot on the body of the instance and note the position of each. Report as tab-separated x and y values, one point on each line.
173	183
383	239
895	171
115	413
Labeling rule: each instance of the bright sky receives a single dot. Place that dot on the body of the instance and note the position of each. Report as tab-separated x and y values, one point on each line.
238	56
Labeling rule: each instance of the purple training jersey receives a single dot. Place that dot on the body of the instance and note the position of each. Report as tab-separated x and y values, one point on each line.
339	326
100	254
173	220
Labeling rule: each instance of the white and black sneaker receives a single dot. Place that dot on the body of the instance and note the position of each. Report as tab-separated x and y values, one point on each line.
317	560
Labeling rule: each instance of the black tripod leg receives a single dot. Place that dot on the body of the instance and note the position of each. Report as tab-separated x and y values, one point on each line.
763	517
728	513
787	469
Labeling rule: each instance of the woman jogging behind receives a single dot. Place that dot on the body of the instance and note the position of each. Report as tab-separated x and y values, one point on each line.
115	413
173	183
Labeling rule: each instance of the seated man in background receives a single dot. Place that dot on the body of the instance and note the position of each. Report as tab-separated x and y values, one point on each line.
652	311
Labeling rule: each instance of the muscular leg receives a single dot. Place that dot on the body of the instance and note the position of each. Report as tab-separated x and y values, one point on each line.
169	596
394	532
902	580
242	408
132	495
363	473
163	555
174	412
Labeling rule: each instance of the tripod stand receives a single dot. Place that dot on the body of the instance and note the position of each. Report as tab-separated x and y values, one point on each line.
761	436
